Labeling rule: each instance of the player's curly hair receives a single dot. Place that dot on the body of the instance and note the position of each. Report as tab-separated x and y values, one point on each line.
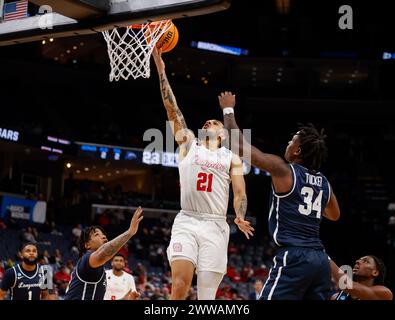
380	266
312	145
86	236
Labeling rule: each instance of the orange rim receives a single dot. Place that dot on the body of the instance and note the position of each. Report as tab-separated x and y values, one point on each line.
153	24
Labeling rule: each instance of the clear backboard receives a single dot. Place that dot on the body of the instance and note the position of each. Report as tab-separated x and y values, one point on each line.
63	18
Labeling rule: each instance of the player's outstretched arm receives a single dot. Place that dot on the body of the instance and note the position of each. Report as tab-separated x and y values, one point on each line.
109	249
264	161
182	135
359	290
240	196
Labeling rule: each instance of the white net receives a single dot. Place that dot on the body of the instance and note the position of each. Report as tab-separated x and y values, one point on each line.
130	48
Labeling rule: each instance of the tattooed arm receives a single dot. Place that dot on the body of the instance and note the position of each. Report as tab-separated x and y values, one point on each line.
239	196
109	249
182	135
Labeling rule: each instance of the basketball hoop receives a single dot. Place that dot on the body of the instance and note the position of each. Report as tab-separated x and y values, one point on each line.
130	48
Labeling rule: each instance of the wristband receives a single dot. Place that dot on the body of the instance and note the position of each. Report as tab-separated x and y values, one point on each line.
228	111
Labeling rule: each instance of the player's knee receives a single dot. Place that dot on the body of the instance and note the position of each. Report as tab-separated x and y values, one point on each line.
180	287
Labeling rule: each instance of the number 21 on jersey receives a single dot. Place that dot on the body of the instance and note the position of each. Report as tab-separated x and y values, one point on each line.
204	182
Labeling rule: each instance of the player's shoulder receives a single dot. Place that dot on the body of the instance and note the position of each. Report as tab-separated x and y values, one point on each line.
10	272
301	169
235	159
127	275
84	259
384	292
229	152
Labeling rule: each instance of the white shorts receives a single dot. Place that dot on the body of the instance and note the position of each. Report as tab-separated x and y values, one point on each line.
201	241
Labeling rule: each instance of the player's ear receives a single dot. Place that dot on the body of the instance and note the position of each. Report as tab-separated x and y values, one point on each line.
87	246
375	273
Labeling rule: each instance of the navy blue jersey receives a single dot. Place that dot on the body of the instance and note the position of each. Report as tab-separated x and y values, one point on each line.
294	218
86	283
23	285
343	296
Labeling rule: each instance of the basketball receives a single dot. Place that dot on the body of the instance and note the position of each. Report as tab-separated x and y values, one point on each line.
168	40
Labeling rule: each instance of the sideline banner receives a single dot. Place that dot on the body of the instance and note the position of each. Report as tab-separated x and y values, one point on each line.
19	208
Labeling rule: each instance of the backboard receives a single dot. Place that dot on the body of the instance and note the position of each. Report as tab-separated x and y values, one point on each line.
64	18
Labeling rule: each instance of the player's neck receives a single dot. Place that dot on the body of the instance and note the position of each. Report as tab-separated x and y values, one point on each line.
28	267
117	273
211	145
366	282
297	161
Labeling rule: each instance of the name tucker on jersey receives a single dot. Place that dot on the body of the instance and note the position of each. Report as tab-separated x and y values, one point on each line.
313	180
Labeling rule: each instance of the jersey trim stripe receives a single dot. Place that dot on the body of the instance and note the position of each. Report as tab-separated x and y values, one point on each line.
293	185
339	295
329	197
271	210
278	276
277	218
19	267
270	274
12	288
13	268
94	291
84	291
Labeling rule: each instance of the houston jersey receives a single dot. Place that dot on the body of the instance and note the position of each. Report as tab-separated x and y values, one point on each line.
294	218
118	286
205	179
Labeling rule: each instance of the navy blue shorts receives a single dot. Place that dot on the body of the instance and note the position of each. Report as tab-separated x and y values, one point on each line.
298	274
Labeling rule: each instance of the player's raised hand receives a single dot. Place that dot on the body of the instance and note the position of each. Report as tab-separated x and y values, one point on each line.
157	55
134	224
227	100
245	227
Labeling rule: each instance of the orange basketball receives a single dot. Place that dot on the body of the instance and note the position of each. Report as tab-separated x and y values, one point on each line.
168	40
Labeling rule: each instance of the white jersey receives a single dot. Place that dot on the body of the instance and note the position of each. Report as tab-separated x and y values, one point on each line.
118	286
205	180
